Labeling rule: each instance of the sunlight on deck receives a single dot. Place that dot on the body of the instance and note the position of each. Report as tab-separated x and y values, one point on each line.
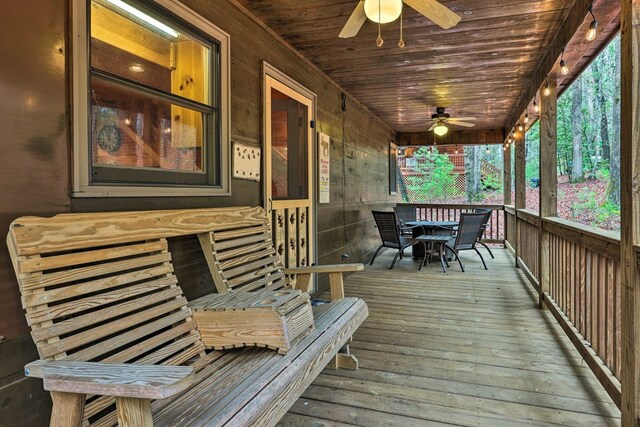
458	349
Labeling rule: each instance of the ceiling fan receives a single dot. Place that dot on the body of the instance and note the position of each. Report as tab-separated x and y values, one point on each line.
384	11
440	119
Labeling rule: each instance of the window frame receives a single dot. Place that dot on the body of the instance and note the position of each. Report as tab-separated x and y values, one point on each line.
81	86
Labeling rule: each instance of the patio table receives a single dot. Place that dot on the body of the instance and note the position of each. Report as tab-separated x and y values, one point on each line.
428	228
439	242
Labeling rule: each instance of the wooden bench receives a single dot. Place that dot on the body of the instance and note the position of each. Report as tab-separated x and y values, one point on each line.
117	339
249	277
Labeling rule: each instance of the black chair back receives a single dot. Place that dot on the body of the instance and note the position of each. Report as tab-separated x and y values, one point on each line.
406	214
487	213
388	228
468	230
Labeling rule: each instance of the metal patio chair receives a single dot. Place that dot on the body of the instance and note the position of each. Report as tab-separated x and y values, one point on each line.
467	236
392	237
405	214
487	213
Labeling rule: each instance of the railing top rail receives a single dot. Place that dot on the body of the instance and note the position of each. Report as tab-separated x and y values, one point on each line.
608	235
452	206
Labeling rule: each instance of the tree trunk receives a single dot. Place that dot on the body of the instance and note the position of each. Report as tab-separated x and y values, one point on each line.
472	171
602	109
613	192
576	125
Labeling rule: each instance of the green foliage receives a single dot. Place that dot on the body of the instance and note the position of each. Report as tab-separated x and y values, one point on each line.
436	180
588	206
532	154
491	183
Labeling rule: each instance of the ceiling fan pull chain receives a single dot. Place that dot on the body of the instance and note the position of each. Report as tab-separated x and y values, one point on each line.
401	43
379	41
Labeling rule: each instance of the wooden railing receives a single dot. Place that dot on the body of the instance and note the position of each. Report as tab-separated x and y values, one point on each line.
510	228
583	282
584	294
439	212
528	235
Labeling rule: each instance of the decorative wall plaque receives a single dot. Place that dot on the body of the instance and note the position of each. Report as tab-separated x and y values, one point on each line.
246	161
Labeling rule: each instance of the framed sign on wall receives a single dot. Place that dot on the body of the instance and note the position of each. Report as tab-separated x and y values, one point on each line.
324	171
393	169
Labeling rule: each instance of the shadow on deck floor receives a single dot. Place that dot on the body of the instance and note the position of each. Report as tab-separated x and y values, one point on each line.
455	349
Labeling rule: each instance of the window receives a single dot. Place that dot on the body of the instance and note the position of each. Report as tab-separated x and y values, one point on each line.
589	144
155	118
532	167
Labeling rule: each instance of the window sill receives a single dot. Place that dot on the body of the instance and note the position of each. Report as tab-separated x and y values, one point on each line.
117	191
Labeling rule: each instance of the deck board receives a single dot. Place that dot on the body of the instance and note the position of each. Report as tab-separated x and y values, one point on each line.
455	349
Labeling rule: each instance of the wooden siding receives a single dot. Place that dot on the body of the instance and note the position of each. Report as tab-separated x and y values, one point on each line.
35	160
455	349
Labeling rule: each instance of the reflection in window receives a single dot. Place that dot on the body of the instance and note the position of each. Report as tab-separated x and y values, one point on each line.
289	156
154	108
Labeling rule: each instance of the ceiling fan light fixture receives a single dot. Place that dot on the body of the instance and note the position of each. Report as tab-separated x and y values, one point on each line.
441	129
382	11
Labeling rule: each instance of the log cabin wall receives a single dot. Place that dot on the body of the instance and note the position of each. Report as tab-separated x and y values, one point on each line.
35	161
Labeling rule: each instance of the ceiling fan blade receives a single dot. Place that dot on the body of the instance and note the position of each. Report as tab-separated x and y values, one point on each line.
468	119
463	124
436	12
433	126
355	22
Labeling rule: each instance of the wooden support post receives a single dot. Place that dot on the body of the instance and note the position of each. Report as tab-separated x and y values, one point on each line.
548	180
336	285
303	282
344	359
521	189
506	161
630	208
134	412
68	409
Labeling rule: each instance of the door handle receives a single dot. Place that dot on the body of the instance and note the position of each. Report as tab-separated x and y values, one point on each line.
270	208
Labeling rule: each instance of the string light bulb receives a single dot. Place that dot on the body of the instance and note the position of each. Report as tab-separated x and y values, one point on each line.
592	33
526	119
563	65
547	89
536	107
520	127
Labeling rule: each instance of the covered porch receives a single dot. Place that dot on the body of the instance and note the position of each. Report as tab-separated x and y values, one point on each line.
549	334
458	349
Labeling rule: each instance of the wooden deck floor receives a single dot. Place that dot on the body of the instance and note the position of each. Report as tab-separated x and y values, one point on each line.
456	349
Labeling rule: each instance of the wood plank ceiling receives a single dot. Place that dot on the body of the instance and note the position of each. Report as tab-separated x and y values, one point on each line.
477	68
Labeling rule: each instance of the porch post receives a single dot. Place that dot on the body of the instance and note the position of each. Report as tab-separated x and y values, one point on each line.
630	209
548	180
506	180
520	202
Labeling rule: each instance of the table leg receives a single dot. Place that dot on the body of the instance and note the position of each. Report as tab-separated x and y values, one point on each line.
442	260
424	256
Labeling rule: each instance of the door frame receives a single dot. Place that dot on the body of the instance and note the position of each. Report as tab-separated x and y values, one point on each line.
289	86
